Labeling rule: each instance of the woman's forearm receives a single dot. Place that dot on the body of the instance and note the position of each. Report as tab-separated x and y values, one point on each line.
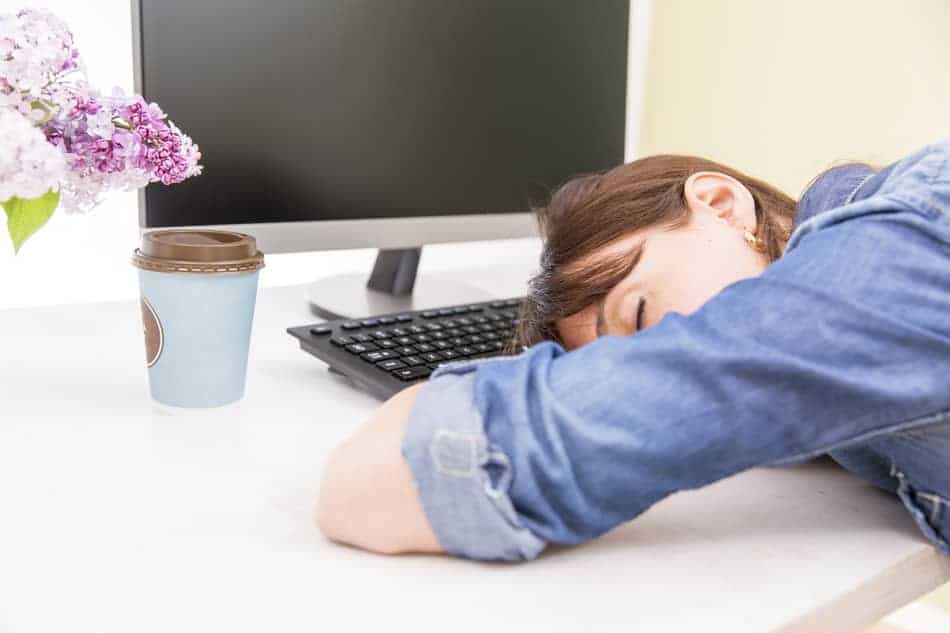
367	497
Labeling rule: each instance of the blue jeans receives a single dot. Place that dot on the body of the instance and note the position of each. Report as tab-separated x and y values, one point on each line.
840	347
913	464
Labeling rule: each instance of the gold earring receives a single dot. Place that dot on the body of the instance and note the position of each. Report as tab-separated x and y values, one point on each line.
753	241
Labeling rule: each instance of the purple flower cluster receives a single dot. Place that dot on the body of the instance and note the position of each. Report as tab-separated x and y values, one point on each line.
118	141
169	155
108	142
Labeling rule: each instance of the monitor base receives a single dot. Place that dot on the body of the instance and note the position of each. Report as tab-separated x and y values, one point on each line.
347	296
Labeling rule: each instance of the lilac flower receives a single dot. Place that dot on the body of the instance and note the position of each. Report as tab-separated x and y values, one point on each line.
117	142
36	52
29	166
106	142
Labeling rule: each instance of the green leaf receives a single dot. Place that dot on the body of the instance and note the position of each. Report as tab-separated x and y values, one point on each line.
26	216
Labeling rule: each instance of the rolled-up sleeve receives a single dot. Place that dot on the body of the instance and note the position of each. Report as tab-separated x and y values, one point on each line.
462	480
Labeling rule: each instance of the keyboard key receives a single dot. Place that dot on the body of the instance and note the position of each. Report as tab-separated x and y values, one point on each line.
432	327
464	321
380	334
359	348
442	344
449	323
483	347
404	340
362	338
480	319
422	338
429	314
412	360
445	311
382	354
342	340
486	327
412	373
386	343
459	310
387	320
416	329
457	341
438	336
449	354
465	350
470	329
498	344
369	322
513	302
491	336
454	332
474	338
390	365
350	325
475	308
398	331
404	318
320	330
424	347
432	357
495	317
406	350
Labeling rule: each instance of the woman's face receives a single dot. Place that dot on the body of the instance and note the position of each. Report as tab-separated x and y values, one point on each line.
678	270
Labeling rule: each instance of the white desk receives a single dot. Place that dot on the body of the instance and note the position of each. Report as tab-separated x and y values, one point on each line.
117	517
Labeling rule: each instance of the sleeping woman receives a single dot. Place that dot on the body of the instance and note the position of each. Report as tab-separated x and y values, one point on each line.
687	322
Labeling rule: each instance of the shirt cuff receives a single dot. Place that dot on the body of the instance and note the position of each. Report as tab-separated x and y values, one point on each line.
462	480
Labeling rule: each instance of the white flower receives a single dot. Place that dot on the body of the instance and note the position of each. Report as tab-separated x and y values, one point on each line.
100	124
82	191
36	51
29	165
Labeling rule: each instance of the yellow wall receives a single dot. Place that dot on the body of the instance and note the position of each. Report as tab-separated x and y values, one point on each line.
781	89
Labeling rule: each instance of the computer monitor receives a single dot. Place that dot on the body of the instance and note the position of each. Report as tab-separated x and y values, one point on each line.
328	124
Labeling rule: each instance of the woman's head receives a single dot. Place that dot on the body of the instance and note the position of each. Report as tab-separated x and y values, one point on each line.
660	234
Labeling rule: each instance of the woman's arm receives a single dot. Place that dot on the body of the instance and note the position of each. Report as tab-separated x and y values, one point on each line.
845	337
367	497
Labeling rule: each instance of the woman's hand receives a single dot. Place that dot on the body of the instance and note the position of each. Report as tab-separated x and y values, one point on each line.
367	497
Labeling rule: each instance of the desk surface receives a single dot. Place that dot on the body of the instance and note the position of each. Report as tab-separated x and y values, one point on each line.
118	516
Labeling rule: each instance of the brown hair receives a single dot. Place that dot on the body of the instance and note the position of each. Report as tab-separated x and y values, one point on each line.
592	211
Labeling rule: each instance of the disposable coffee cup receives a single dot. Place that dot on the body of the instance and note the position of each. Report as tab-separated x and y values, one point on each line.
198	292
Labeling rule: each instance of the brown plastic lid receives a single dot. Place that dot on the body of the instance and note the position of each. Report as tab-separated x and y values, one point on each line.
198	251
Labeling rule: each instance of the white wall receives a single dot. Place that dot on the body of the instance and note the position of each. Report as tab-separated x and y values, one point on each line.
86	258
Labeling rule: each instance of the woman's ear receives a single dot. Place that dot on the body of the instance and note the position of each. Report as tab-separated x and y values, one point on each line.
721	196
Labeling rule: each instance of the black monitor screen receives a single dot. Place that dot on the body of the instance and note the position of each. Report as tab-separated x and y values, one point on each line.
355	109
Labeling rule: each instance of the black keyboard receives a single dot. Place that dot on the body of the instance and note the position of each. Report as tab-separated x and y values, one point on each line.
386	353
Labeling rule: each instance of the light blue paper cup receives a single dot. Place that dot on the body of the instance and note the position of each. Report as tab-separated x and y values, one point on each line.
197	319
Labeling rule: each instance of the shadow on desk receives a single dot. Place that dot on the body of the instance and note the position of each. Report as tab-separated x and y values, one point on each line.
727	515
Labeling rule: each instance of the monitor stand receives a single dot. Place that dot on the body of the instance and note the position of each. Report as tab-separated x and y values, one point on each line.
392	287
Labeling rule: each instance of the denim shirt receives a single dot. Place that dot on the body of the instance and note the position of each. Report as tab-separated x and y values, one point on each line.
840	347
